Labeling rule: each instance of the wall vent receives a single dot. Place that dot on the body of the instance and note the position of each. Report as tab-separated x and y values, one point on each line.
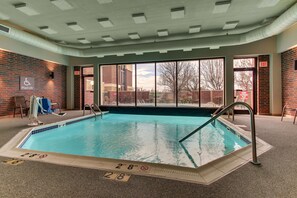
4	29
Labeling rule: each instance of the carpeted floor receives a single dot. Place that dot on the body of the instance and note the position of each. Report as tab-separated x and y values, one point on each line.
277	177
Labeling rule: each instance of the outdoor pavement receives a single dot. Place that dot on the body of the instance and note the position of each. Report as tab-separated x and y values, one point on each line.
277	177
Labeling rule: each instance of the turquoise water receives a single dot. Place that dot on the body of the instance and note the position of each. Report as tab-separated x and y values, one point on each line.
146	138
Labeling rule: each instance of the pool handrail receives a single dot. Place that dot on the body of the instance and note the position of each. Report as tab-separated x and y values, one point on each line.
91	110
95	105
252	124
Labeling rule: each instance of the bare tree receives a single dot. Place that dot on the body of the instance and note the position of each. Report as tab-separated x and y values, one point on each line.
187	78
244	80
212	71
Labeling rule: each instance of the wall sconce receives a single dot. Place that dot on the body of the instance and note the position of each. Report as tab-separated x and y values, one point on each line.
51	75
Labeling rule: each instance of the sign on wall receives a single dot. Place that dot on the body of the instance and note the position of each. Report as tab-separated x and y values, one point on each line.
26	83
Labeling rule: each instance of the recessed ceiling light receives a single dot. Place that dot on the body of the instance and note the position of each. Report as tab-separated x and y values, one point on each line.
267	3
105	22
100	56
25	9
187	49
139	18
47	30
221	7
163	51
120	54
3	16
134	36
139	53
83	40
194	29
107	38
230	25
74	26
104	1
178	13
163	32
62	4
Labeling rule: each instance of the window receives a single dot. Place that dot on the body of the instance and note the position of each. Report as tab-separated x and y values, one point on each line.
188	83
88	85
166	84
193	83
212	82
108	85
126	85
145	79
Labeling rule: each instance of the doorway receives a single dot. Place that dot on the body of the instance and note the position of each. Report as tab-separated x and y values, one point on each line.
245	83
87	85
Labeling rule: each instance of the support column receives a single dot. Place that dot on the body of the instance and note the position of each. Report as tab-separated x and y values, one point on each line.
96	84
275	84
70	88
229	80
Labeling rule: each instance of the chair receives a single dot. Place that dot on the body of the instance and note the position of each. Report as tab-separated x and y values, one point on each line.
286	108
21	103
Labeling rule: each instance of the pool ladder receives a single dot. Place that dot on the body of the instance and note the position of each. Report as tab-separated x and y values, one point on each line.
92	106
217	114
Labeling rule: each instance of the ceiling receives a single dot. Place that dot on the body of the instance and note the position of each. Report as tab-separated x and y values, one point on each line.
250	15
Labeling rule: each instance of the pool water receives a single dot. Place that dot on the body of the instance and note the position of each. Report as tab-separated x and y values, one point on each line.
145	138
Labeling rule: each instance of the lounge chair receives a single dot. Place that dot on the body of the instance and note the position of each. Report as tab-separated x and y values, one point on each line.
20	103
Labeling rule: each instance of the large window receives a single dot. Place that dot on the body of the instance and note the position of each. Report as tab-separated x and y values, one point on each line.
195	83
126	85
145	83
88	85
108	85
188	83
212	82
166	84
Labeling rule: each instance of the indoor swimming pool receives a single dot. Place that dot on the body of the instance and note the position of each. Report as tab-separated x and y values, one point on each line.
141	138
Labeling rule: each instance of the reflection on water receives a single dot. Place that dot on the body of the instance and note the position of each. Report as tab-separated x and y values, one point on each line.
139	138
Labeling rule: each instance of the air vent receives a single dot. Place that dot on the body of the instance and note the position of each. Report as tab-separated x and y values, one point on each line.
4	29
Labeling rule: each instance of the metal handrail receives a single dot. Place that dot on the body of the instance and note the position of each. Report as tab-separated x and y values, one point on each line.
91	110
95	105
253	128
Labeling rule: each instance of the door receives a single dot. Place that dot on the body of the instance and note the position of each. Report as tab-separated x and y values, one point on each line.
87	85
245	82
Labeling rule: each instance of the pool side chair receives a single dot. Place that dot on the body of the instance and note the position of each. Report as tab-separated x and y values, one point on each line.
20	103
286	108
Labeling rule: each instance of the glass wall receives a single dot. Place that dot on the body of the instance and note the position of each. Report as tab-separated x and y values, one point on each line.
194	83
212	82
166	83
145	83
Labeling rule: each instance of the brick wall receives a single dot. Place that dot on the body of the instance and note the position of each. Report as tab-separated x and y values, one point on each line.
77	89
12	66
263	103
289	78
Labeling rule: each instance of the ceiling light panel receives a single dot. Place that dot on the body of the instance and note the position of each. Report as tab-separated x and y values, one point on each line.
162	33
105	22
134	36
107	38
221	7
83	40
62	4
74	26
230	25
47	30
25	9
267	3
104	1
194	29
178	13
139	18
